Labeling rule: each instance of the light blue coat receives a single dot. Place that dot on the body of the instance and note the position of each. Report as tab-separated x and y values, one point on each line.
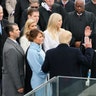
35	59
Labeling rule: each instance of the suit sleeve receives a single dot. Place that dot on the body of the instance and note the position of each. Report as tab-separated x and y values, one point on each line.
87	57
46	66
13	70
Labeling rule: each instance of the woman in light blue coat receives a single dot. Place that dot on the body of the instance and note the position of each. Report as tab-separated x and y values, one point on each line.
35	57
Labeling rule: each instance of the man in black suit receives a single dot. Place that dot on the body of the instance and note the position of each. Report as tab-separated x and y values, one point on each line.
3	36
20	7
88	33
65	60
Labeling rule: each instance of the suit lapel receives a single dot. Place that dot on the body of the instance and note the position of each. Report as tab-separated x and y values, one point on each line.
17	46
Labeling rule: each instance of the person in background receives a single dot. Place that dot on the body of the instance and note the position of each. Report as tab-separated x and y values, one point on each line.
90	6
89	34
46	9
13	64
20	7
78	20
3	36
29	25
52	32
3	4
30	13
10	7
67	4
35	57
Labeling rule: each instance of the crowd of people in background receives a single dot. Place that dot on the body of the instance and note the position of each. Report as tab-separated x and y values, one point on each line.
50	35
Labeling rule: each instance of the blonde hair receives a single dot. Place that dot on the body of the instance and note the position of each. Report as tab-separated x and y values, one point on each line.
27	24
52	25
65	36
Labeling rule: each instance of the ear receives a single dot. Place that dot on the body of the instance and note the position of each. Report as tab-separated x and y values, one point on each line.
10	33
28	16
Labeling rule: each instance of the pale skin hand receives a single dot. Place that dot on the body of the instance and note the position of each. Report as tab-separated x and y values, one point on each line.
88	42
87	31
20	90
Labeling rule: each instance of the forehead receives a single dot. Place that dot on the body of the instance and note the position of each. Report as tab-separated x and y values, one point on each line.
35	13
1	9
15	27
34	4
48	0
79	2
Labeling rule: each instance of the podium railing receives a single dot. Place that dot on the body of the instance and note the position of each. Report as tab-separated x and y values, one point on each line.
66	86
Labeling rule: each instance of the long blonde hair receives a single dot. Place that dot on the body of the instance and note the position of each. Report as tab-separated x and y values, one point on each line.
52	25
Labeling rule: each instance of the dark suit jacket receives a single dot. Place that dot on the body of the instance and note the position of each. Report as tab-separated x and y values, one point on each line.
69	6
44	15
66	61
3	37
13	68
20	7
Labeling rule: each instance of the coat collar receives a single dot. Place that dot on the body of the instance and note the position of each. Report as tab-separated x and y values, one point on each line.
63	45
35	46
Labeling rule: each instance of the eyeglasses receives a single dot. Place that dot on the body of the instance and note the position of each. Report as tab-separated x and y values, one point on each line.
34	7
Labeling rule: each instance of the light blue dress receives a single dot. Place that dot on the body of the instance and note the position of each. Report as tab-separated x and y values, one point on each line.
35	59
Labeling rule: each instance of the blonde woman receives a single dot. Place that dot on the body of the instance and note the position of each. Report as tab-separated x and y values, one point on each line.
52	32
29	25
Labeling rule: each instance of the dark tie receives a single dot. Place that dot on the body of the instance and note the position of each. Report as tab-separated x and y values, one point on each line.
0	28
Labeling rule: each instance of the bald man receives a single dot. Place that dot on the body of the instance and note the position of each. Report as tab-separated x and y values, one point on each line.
3	37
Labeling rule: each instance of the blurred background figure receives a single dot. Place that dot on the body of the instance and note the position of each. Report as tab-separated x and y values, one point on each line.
89	34
29	25
3	4
20	7
10	7
3	36
91	6
67	4
46	9
30	12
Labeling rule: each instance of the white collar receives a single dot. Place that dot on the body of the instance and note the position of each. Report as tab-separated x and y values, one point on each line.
43	4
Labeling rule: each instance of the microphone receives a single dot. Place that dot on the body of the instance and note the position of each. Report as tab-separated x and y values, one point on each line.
88	78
